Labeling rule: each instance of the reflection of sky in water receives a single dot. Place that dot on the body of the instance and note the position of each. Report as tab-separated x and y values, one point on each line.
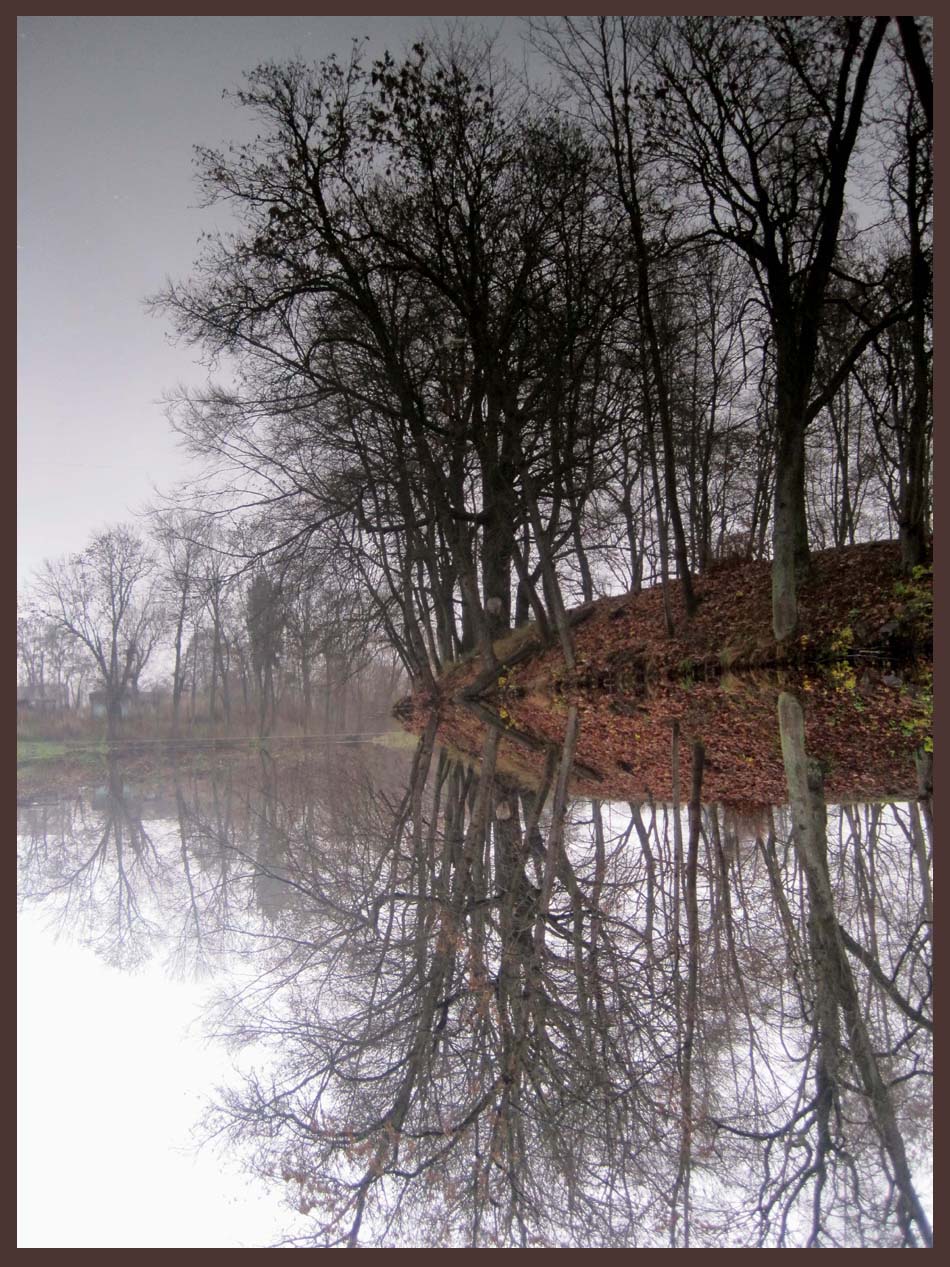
135	1082
113	1076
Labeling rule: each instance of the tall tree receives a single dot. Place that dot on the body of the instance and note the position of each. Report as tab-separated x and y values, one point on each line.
181	539
602	60
833	979
265	627
763	116
911	181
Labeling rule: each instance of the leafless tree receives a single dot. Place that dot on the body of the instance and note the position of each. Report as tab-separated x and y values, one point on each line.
102	597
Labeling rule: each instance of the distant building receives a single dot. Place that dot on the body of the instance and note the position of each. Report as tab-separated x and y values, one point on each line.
42	698
129	706
99	704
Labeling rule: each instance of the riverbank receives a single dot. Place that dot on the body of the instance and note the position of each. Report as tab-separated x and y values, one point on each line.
855	605
862	665
60	766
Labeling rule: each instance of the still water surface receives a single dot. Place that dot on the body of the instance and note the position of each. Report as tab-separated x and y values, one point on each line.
468	1006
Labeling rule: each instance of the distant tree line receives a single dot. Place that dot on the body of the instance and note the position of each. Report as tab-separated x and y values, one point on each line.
229	646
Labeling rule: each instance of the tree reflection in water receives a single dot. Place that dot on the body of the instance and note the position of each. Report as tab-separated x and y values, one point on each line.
502	1016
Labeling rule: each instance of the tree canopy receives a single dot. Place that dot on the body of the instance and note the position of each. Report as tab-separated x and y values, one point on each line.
490	343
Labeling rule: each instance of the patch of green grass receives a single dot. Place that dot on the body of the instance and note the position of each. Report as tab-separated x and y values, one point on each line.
916	595
919	726
37	753
841	640
687	674
38	750
840	676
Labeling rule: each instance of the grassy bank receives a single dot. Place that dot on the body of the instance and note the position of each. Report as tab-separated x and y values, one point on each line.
30	751
45	765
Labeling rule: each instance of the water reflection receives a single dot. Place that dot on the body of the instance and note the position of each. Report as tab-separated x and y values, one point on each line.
502	1016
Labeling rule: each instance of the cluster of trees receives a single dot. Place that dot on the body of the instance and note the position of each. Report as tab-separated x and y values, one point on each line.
496	1022
494	350
236	643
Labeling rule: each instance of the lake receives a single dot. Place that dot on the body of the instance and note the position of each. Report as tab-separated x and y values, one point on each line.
476	989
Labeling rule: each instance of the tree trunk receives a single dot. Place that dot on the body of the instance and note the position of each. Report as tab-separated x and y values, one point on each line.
551	585
628	176
194	676
113	714
307	686
178	682
684	1169
212	694
919	69
556	835
528	600
497	533
661	537
913	488
790	527
587	580
328	695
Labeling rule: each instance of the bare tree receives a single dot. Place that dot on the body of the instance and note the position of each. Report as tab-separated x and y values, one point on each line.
763	116
602	62
181	539
102	597
835	992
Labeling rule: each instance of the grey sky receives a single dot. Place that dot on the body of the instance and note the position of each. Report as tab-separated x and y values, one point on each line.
109	109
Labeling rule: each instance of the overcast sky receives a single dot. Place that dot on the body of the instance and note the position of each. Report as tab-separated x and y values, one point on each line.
109	109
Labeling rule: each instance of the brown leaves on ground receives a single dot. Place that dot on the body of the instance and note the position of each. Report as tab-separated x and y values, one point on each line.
859	589
633	681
